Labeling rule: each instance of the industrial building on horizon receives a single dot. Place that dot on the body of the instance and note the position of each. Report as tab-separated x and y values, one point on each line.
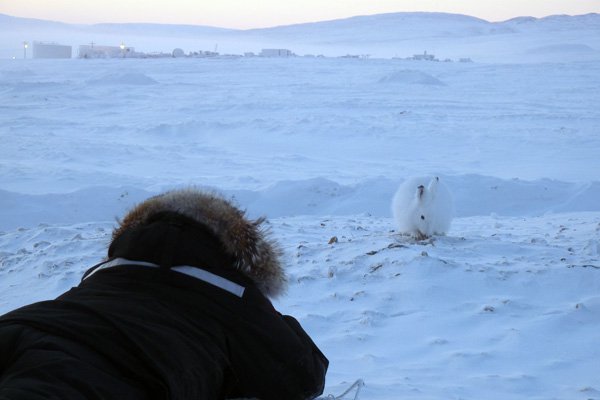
51	50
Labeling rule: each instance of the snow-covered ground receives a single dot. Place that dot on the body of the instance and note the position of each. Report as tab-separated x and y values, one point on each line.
507	305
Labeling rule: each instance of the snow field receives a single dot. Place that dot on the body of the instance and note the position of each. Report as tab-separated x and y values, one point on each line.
501	308
308	118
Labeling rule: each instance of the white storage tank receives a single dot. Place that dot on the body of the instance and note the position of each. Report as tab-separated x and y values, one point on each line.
51	50
276	53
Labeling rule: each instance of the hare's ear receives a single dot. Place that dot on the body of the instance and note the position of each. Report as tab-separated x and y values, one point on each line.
433	184
420	192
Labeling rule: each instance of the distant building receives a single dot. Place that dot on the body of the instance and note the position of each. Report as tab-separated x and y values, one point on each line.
361	56
276	53
208	53
204	54
94	51
465	60
51	50
424	57
154	54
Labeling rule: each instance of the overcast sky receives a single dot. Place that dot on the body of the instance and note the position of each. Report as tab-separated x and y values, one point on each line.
245	14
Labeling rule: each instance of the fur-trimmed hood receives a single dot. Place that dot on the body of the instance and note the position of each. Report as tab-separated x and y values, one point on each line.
247	241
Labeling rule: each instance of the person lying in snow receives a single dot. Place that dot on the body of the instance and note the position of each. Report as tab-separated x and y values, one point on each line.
179	310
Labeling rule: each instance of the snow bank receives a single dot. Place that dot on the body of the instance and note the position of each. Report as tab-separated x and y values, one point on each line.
127	78
91	204
473	196
564	48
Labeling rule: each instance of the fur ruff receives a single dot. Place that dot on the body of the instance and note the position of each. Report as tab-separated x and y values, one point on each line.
255	254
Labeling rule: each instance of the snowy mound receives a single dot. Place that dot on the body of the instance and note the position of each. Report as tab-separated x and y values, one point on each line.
408	76
472	195
128	78
568	48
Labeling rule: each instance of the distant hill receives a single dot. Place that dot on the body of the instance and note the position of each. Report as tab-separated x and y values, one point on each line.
392	25
159	29
422	25
555	22
8	22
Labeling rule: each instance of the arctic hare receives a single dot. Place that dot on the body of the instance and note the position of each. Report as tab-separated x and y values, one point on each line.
422	206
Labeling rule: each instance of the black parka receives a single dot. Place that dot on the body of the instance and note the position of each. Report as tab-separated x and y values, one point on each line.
136	332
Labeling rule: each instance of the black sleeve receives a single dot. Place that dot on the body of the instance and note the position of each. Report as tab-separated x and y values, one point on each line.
9	339
273	358
313	364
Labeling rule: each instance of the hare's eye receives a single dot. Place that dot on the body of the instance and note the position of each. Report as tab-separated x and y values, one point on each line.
423	217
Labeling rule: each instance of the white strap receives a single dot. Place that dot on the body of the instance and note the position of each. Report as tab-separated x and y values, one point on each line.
194	272
211	278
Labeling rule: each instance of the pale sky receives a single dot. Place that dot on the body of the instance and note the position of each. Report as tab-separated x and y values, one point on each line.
244	14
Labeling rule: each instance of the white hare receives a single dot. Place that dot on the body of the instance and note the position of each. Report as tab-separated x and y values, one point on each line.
422	207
